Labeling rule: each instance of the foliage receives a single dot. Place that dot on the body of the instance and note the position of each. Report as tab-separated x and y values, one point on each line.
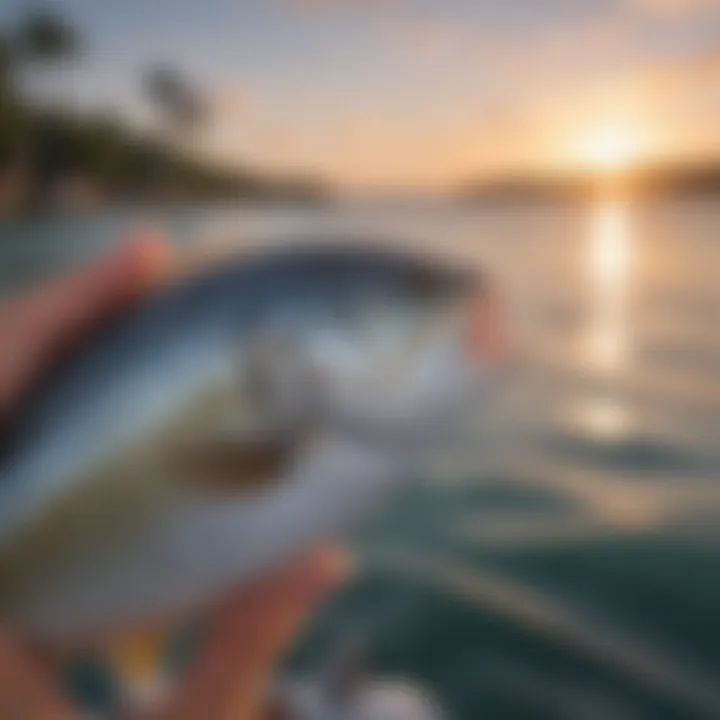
44	36
5	60
123	164
49	148
174	96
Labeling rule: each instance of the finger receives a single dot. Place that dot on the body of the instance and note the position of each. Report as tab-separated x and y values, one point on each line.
26	691
231	676
39	325
69	304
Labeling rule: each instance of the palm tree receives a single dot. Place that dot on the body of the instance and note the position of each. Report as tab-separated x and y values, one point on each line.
178	103
180	110
5	69
41	37
44	37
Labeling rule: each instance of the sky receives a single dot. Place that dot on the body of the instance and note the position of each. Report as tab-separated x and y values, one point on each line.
395	93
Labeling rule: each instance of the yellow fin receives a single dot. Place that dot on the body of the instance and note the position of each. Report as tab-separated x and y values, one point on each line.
137	660
138	656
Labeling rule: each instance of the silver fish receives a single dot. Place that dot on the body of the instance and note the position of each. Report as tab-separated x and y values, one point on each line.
224	424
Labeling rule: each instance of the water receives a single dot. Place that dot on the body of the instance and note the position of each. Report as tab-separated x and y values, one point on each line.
568	569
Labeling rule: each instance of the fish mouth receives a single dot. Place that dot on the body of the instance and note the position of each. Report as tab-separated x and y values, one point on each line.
425	397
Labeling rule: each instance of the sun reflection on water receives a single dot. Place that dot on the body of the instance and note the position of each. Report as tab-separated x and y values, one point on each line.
608	264
607	341
610	248
605	418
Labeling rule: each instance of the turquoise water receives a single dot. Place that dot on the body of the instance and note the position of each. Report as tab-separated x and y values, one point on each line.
569	568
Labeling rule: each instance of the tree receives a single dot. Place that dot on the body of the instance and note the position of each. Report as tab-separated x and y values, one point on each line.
43	36
178	103
5	71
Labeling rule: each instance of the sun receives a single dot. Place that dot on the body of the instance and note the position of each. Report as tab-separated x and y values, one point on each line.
610	149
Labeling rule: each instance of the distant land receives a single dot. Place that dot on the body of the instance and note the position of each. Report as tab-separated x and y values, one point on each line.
61	159
657	180
58	161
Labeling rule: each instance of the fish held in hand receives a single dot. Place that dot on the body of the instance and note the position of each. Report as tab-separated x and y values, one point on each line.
227	422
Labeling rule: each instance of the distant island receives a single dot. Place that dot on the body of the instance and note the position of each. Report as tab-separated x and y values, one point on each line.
61	158
657	180
58	161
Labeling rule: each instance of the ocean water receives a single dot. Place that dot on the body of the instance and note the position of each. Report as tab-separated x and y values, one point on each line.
569	567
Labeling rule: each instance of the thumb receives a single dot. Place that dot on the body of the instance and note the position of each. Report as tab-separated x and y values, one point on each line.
237	662
41	324
70	304
26	687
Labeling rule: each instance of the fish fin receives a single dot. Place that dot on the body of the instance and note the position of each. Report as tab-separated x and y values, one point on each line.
137	660
234	465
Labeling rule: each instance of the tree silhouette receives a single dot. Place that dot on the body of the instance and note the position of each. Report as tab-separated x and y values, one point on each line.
43	36
42	145
178	103
39	38
5	68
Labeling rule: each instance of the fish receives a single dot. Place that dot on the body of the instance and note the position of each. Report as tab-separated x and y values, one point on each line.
226	422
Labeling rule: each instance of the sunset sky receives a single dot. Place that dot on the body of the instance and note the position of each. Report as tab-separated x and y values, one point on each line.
419	92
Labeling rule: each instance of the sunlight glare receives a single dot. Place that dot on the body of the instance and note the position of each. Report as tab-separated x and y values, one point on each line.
609	258
609	249
611	149
603	418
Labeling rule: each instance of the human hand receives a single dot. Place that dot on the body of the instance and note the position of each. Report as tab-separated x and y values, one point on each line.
229	678
38	326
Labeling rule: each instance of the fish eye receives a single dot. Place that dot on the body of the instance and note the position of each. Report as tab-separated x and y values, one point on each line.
423	282
434	287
